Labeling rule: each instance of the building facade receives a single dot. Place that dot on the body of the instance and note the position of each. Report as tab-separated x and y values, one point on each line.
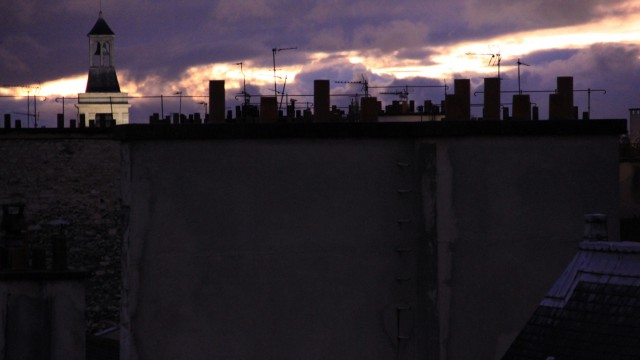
387	240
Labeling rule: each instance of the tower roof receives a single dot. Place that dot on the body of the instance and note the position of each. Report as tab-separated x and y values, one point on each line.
101	27
102	79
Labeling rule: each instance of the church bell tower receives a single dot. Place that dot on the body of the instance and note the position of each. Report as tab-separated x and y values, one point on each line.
102	101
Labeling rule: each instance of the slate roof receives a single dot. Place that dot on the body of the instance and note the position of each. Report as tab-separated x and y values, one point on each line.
101	27
593	310
102	79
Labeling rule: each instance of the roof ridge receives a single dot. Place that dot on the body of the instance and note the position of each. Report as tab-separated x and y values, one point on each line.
611	246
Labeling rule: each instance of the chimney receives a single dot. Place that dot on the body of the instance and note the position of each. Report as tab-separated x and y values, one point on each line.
458	105
268	109
521	107
595	227
634	123
321	102
491	99
462	89
554	107
505	114
565	89
216	101
369	109
561	103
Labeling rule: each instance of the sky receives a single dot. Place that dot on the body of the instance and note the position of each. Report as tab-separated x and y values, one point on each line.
163	47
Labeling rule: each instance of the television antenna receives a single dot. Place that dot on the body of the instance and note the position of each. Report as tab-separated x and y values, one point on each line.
274	51
520	63
403	93
494	60
363	82
247	97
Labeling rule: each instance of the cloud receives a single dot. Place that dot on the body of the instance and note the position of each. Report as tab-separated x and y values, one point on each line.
22	12
526	14
239	12
163	45
391	36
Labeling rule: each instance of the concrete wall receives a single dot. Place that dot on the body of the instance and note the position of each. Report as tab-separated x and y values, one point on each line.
629	189
284	246
42	316
510	215
279	249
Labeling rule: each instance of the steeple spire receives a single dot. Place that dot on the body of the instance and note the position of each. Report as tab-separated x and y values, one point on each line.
102	73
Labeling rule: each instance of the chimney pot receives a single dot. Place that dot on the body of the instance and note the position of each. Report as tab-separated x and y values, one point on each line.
595	227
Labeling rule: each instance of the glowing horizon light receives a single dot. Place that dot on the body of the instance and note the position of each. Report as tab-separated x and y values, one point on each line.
454	59
64	87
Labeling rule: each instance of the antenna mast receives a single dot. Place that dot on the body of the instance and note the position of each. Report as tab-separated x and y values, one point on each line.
244	85
520	63
403	94
274	51
364	82
495	59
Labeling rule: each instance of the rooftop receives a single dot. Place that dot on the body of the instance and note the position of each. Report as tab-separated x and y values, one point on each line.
430	129
373	130
592	311
102	80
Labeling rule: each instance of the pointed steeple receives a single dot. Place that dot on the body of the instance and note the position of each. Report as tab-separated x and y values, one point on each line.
102	73
101	27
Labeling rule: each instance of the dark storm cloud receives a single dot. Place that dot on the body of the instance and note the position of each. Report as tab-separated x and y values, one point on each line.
541	58
482	19
177	35
195	32
40	42
157	35
416	54
527	14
